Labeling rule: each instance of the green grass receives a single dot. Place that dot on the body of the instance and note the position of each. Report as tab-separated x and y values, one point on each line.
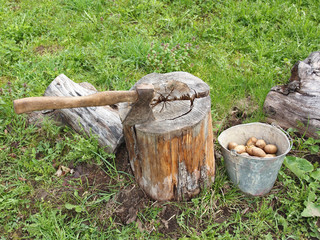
240	48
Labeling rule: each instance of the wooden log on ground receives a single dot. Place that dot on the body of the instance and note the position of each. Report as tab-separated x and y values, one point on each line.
297	104
101	121
172	157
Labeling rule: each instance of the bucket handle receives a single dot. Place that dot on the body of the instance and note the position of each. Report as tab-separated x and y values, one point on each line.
284	131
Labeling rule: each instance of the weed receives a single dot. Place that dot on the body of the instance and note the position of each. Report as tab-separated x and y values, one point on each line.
165	58
309	177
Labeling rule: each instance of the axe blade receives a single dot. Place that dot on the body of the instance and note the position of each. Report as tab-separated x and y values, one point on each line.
141	111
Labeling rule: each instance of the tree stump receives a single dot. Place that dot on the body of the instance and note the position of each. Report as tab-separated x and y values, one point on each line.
172	157
297	104
104	122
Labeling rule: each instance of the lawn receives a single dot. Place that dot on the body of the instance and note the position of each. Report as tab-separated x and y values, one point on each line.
239	48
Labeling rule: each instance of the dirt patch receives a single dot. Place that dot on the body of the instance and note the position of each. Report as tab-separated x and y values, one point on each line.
131	200
223	215
168	216
238	113
42	50
313	158
93	179
122	160
134	207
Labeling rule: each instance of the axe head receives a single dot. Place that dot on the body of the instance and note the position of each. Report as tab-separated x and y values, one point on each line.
141	111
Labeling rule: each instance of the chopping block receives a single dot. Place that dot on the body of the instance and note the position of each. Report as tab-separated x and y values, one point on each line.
172	156
167	128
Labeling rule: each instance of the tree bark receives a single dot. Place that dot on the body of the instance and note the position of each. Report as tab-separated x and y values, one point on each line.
172	157
297	104
101	121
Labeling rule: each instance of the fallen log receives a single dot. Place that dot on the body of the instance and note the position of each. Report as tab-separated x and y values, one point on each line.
297	104
172	156
104	122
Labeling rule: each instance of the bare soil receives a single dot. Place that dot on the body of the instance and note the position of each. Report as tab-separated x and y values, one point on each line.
42	50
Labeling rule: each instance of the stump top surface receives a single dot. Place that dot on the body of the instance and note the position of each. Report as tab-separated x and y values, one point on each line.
172	105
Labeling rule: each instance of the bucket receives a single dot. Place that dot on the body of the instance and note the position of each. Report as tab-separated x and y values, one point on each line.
253	175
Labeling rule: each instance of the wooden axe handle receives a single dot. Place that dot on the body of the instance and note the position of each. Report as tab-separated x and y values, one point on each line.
98	99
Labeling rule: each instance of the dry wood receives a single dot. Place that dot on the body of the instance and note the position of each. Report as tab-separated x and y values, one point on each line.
297	104
172	157
101	121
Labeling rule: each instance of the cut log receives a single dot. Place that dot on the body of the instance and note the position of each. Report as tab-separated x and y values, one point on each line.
172	157
101	121
297	104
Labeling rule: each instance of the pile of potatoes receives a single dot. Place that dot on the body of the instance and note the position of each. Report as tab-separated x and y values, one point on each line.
254	147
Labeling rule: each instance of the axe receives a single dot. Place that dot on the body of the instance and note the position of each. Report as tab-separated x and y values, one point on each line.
139	113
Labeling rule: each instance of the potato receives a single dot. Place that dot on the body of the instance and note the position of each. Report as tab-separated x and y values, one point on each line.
240	149
249	149
232	145
258	152
251	141
270	148
260	143
270	155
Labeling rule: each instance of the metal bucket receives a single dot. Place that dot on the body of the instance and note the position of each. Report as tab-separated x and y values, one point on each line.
253	175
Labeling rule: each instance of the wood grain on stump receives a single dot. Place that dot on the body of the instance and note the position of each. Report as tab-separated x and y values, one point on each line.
297	104
172	157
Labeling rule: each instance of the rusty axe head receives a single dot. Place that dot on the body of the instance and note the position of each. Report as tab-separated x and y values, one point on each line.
141	111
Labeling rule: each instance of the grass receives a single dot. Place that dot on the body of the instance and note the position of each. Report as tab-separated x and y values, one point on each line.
240	48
